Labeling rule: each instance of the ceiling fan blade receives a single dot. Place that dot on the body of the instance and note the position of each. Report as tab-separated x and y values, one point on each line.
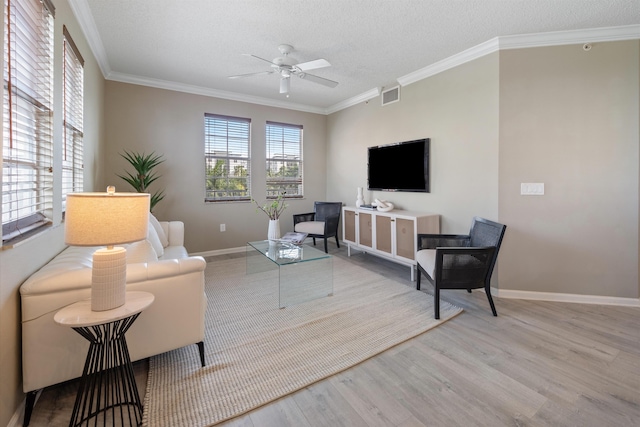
257	57
316	79
239	76
312	65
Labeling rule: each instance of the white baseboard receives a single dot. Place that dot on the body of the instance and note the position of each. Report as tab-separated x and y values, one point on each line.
560	297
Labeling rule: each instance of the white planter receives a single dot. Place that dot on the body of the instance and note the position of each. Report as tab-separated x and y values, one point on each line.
274	229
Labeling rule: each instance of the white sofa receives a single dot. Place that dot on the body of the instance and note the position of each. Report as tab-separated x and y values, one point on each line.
52	353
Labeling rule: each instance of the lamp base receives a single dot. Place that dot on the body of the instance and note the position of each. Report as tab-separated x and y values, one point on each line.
108	278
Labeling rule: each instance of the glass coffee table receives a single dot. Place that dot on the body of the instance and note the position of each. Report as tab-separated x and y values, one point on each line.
304	272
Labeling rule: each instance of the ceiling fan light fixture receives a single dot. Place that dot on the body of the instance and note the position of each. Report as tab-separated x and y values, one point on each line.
284	85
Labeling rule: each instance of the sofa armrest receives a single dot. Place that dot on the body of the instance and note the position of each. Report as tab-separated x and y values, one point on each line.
174	230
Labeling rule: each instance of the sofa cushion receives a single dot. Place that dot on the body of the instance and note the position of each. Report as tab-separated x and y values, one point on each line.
174	252
141	251
153	222
154	239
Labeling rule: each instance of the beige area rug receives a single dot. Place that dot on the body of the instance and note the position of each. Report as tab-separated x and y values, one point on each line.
257	353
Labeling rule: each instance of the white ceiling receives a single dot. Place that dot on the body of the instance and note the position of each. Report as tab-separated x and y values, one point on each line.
194	45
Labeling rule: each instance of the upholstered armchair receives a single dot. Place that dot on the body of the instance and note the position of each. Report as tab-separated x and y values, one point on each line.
460	261
322	223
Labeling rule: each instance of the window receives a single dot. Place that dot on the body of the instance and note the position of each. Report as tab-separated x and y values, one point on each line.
27	145
284	160
227	159
73	98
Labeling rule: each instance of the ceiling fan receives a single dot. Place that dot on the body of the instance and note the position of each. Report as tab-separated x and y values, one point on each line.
286	67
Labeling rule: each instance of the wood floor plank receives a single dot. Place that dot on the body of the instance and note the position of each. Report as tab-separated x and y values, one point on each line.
369	398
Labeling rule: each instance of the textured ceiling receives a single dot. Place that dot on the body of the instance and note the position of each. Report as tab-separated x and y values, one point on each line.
369	43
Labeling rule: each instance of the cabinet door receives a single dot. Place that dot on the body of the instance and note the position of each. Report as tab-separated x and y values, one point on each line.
405	238
383	233
349	226
364	224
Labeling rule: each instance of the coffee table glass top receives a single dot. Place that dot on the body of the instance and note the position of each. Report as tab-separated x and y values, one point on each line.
283	253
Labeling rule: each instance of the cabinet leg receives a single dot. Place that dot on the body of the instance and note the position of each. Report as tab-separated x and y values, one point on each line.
413	273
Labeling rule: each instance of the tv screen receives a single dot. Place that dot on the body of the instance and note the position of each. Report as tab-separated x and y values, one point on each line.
403	166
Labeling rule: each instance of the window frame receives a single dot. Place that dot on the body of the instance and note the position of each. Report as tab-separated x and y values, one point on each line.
73	118
28	100
281	139
226	134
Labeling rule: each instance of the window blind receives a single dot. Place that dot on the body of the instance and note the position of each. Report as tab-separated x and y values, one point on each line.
284	160
27	146
227	158
72	122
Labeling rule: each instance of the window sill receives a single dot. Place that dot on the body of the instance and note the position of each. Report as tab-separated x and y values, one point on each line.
27	237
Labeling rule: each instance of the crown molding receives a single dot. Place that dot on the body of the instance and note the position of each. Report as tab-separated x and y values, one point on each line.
199	90
370	94
83	15
555	38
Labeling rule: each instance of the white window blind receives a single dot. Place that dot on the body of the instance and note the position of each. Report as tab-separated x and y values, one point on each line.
73	100
27	145
284	160
227	158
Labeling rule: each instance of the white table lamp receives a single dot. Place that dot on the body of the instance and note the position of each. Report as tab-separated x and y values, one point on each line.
107	219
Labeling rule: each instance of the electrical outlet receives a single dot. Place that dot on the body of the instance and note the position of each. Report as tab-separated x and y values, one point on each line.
223	227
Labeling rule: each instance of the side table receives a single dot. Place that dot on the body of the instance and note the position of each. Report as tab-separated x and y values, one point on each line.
108	383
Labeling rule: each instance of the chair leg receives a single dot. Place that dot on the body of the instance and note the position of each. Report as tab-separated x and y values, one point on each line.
436	301
314	241
337	242
201	351
469	290
418	278
326	250
493	306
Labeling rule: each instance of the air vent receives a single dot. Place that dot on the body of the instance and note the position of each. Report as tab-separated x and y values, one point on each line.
390	96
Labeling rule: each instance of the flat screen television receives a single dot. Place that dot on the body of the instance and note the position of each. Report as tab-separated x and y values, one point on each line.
403	166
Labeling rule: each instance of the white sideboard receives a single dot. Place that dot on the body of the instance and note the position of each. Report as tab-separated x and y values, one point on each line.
390	235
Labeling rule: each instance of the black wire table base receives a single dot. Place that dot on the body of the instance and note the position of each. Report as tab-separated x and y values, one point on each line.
108	394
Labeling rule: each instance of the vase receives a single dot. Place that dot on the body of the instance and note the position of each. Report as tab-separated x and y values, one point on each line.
360	200
274	229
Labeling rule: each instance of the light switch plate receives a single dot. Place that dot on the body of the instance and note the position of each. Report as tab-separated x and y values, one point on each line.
532	189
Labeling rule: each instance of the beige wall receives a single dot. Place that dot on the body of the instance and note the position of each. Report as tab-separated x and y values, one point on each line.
569	119
557	115
171	123
458	110
18	263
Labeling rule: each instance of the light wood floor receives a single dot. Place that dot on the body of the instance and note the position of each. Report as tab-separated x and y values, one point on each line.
536	364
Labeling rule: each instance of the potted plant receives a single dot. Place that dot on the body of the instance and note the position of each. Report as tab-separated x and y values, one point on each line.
273	210
144	165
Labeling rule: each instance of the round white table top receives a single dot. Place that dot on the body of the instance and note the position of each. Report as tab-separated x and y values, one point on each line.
79	314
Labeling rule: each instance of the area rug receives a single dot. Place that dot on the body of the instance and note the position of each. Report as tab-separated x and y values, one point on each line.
257	353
